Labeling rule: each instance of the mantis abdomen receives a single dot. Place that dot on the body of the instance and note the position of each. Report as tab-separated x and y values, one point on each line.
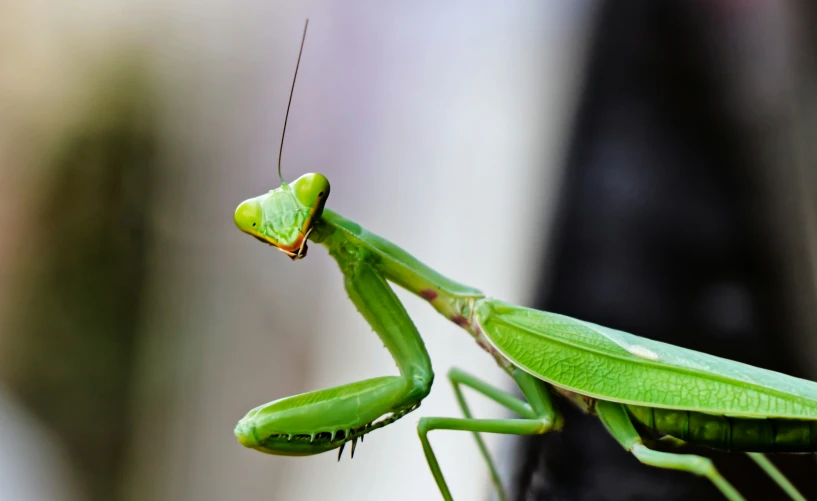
729	433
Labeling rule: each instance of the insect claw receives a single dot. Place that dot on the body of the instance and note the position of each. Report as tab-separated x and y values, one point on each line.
311	438
354	444
340	451
332	437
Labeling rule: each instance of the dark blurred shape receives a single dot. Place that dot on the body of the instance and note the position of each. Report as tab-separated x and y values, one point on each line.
684	218
78	300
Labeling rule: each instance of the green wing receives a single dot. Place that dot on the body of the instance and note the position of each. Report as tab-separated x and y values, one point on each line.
612	365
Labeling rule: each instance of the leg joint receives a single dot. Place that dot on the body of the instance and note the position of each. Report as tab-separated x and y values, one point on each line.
421	386
698	465
547	424
701	466
423	427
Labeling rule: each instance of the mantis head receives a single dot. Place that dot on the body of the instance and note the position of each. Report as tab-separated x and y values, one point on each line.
284	217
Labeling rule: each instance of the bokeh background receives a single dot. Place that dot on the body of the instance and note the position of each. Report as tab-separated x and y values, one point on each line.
645	166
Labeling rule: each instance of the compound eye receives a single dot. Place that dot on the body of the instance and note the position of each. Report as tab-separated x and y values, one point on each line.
248	216
312	190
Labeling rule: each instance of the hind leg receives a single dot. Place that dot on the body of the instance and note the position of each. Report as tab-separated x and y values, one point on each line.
618	423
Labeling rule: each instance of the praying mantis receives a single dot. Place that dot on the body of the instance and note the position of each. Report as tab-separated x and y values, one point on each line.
641	390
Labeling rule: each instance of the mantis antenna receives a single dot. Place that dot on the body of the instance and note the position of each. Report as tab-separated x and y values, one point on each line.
291	91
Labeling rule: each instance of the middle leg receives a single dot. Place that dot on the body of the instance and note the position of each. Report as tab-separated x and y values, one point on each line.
539	417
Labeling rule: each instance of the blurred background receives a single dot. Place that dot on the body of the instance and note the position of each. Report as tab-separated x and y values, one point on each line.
647	165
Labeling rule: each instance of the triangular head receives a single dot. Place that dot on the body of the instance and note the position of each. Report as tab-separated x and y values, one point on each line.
284	217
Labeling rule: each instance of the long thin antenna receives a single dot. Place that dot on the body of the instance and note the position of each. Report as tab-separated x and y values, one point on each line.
291	91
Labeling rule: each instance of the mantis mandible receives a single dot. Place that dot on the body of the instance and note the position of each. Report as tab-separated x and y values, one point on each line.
639	389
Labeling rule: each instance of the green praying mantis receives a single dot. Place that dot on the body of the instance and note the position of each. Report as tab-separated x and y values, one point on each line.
638	388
